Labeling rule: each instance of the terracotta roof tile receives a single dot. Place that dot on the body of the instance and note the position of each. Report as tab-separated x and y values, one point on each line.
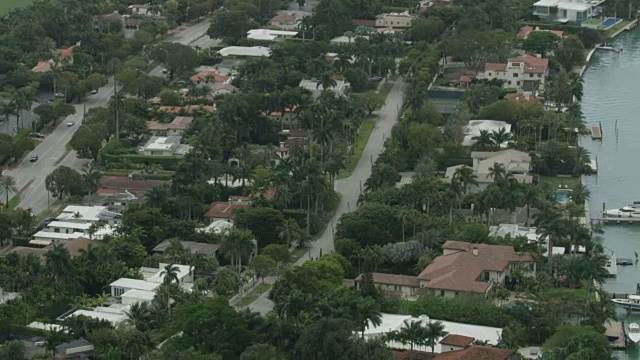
392	279
460	270
223	210
457	340
412	355
495	67
475	352
208	75
179	123
534	64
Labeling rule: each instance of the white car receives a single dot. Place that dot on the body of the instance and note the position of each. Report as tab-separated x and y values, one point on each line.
94	91
70	123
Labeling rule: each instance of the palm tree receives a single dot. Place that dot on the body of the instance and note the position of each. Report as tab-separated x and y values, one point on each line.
157	197
170	274
500	137
117	104
465	176
498	172
139	315
412	333
290	232
237	244
433	333
531	196
58	261
483	140
282	196
90	178
367	310
8	186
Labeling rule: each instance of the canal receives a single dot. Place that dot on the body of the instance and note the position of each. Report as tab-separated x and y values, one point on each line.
612	93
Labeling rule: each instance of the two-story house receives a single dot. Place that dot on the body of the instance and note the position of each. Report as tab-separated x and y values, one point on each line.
524	73
177	127
395	20
564	11
473	268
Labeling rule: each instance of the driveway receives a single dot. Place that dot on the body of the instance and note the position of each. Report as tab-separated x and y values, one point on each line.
30	177
349	188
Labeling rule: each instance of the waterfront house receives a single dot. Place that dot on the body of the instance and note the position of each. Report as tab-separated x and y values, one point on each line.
516	163
515	230
473	268
225	211
565	11
524	73
476	127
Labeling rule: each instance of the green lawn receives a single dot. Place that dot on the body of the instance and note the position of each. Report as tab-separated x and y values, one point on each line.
363	138
6	5
616	28
593	21
556	181
14	201
261	288
245	301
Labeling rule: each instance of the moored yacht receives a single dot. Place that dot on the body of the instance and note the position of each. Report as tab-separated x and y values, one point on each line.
631	302
633	332
631	210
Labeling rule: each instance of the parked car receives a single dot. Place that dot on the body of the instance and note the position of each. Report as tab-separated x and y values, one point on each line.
34	158
376	78
94	91
59	95
36	135
70	123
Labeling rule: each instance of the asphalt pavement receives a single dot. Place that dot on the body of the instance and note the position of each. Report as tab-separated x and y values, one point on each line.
349	188
52	152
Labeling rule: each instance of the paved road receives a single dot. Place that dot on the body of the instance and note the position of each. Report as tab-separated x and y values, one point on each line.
30	177
349	188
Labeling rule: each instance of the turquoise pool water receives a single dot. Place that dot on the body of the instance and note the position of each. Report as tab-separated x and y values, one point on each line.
563	196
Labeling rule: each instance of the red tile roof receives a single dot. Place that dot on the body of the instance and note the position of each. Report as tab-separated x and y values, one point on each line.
524	32
522	98
223	210
457	340
534	64
412	355
392	279
208	76
187	109
475	352
461	270
127	183
68	52
495	67
282	18
42	66
179	123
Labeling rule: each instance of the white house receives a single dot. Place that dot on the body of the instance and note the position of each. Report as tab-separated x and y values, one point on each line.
564	11
88	214
153	278
524	73
516	163
396	20
515	230
245	51
316	88
475	127
78	221
269	35
139	9
164	146
393	322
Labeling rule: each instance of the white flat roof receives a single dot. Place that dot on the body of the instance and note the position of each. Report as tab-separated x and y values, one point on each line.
183	270
394	322
40	242
44	326
135	284
69	225
87	213
56	236
474	127
574	6
139	294
245	51
546	3
268	34
113	318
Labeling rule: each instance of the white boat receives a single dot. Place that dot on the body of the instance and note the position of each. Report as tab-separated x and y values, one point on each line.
633	332
631	210
632	302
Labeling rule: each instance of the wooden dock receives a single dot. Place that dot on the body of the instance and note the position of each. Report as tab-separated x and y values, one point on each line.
612	265
610	220
596	132
615	329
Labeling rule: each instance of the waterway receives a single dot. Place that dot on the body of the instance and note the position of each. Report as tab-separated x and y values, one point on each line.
612	93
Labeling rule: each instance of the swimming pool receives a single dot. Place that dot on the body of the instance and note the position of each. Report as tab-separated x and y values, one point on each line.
608	22
563	196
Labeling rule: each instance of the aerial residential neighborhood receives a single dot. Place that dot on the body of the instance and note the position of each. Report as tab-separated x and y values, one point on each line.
317	180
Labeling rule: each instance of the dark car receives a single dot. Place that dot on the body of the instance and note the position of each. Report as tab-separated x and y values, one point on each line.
36	135
34	158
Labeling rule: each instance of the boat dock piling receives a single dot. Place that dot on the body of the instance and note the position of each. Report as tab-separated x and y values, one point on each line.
596	132
615	330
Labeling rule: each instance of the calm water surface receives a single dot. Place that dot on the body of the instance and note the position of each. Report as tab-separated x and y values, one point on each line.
612	92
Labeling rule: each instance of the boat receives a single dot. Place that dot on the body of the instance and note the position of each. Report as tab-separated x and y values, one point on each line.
633	332
631	210
632	302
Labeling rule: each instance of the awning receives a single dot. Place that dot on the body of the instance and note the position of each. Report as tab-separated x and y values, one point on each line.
40	242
